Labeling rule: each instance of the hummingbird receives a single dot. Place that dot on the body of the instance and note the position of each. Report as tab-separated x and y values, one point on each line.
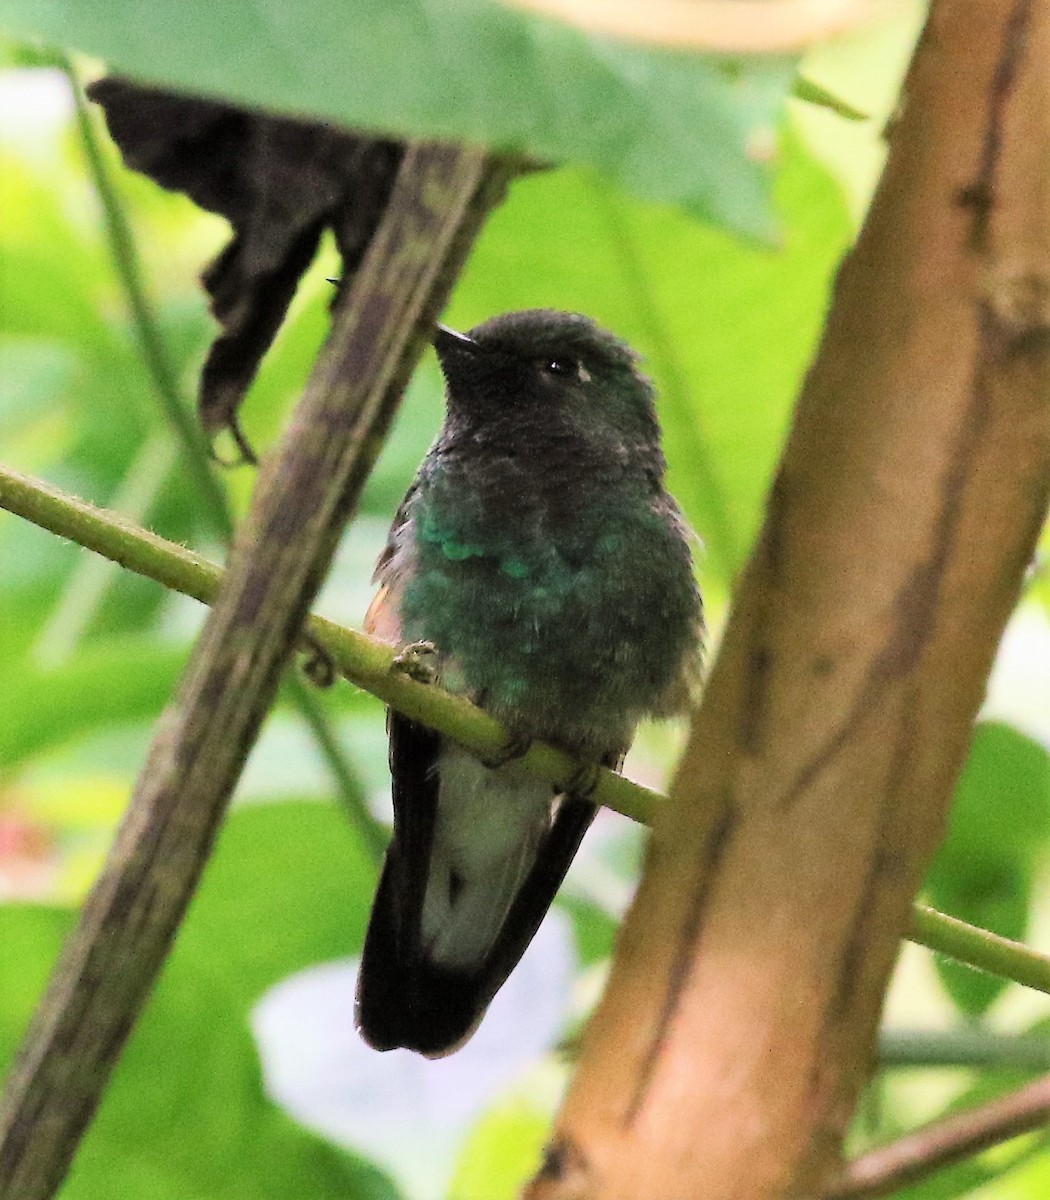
542	565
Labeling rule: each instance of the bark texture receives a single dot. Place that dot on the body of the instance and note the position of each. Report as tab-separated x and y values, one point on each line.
725	1060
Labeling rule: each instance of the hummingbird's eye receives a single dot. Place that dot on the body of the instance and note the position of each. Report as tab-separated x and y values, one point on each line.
567	367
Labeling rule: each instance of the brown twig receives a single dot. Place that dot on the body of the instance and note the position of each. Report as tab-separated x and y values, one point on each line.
944	1143
304	495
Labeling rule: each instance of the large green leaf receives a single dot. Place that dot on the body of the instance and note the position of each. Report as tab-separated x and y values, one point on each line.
31	937
113	682
289	886
669	126
983	873
185	1114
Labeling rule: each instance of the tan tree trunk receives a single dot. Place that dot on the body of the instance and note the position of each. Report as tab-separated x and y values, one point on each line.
738	1028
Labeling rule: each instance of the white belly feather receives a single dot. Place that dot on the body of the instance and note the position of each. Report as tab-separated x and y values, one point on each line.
489	825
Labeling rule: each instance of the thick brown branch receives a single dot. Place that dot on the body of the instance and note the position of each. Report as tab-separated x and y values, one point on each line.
944	1143
305	493
739	1024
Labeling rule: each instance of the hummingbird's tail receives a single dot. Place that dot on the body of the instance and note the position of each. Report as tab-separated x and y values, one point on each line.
476	859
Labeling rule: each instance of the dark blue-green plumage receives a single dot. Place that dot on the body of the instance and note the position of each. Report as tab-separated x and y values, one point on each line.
538	551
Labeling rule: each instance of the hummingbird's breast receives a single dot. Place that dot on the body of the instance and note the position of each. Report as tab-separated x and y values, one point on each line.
569	621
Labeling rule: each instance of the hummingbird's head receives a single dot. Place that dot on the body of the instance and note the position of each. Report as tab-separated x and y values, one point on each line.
543	368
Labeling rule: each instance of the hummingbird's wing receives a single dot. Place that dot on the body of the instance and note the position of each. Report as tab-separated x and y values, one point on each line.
388	987
426	980
394	565
476	858
571	821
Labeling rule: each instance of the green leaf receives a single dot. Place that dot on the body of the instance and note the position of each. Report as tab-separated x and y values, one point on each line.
668	126
16	54
594	928
289	886
814	93
29	583
983	872
51	269
31	937
202	1126
502	1153
185	1114
112	682
34	372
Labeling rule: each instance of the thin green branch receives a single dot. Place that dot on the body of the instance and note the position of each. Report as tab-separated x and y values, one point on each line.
370	665
975	1048
364	661
350	789
991	953
192	441
85	589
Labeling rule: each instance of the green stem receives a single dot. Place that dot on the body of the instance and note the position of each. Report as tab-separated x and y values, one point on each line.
350	789
370	665
88	582
191	439
128	266
980	948
963	1048
365	662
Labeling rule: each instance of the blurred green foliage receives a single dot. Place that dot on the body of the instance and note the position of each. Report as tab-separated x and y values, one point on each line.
988	865
186	1114
89	655
687	128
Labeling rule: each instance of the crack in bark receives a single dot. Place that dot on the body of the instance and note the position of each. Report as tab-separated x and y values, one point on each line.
759	671
564	1163
685	953
883	861
916	602
980	195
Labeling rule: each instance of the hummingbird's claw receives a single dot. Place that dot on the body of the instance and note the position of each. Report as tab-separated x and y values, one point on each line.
516	745
413	660
582	782
318	666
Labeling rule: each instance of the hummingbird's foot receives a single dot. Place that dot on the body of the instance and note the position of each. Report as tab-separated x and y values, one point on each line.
583	781
516	746
318	666
415	661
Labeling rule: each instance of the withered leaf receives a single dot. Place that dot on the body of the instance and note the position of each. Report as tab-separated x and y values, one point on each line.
279	182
